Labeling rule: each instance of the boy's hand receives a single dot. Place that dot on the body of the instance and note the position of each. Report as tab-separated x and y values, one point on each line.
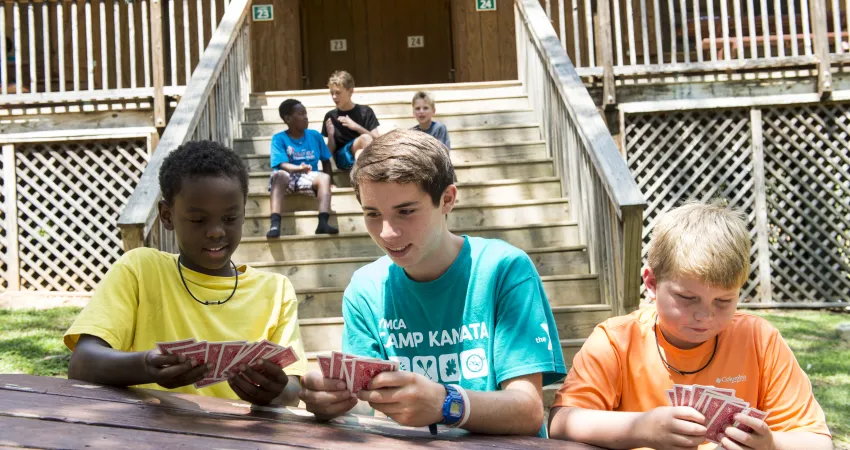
671	427
350	124
406	397
173	371
305	168
259	383
760	439
329	127
325	397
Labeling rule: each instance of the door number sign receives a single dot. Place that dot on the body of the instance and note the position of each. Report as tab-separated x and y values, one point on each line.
415	41
262	13
485	5
339	45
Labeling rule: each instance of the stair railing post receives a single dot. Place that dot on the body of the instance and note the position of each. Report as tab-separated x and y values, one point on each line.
606	48
819	25
158	64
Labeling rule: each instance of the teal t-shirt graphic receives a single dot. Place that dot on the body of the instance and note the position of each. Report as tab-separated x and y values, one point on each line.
484	321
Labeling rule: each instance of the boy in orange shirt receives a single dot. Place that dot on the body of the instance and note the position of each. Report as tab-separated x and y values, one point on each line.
615	393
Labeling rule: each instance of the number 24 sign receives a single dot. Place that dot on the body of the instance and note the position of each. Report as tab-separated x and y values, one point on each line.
485	5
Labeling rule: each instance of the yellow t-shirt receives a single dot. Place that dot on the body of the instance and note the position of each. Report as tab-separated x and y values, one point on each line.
618	369
142	301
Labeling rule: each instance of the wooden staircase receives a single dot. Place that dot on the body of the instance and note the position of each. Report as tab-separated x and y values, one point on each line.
507	190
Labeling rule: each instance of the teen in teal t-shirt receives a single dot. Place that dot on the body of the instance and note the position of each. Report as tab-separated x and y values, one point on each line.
484	321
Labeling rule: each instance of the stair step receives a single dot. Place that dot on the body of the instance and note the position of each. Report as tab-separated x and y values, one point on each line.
402	108
562	290
361	245
258	149
337	272
459	136
480	118
393	94
469	215
466	172
325	334
343	199
568	346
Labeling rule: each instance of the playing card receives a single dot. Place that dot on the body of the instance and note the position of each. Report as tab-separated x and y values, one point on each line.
687	395
182	350
165	347
325	365
249	354
752	412
723	418
348	364
198	355
671	397
283	358
213	355
229	352
267	352
679	390
337	366
363	370
709	406
206	382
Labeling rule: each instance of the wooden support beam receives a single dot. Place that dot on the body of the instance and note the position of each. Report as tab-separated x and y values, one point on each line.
609	95
10	191
632	260
821	47
158	64
762	225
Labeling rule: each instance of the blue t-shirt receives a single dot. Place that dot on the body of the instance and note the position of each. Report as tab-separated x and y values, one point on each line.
310	149
486	320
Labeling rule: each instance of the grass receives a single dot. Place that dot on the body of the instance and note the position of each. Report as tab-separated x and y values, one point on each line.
825	358
31	343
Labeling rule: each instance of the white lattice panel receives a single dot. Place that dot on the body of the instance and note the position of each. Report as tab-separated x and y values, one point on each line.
676	157
69	198
807	164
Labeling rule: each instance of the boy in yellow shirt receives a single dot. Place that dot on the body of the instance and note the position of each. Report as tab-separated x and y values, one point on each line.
615	393
149	296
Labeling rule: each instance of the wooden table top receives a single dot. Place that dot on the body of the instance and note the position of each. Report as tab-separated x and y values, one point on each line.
59	413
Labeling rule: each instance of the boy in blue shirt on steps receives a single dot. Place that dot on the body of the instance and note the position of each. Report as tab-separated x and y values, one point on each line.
295	155
465	317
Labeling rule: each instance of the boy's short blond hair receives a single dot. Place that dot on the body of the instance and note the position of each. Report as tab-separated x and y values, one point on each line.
709	242
422	95
341	79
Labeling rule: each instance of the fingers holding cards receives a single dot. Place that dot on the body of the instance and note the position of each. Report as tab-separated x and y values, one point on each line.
719	407
216	360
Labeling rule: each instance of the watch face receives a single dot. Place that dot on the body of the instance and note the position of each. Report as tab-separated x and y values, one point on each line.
454	409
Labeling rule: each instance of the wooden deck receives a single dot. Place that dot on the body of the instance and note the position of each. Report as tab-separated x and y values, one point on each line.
58	413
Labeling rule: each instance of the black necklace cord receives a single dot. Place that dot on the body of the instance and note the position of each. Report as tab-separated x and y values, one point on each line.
235	285
664	360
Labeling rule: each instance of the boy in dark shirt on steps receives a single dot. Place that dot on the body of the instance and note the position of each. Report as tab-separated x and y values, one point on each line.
349	128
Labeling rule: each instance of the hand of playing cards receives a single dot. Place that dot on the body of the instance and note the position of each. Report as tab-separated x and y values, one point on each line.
357	372
226	355
717	405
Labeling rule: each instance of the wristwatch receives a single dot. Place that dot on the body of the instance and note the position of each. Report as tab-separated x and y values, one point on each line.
453	406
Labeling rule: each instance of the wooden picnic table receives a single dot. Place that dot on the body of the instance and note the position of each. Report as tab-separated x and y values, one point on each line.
45	412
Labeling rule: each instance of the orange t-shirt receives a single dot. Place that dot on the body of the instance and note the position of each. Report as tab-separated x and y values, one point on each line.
619	369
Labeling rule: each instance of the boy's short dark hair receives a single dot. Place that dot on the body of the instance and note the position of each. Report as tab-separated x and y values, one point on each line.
200	159
287	106
405	156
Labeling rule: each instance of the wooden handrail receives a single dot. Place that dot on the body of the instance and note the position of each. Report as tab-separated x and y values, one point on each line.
139	215
619	183
604	197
